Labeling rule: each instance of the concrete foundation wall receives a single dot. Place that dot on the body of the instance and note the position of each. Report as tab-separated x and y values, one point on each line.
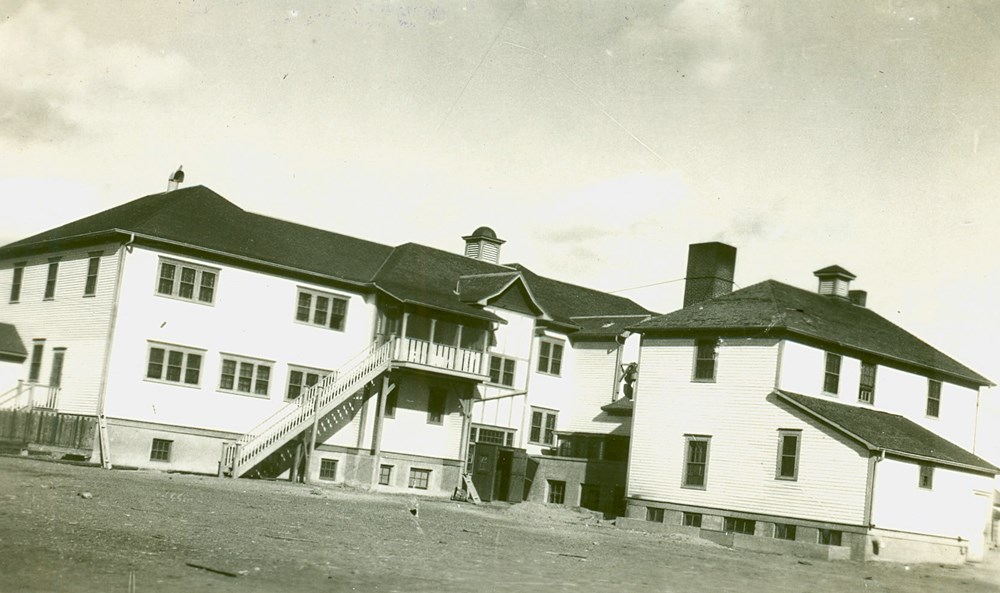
190	451
358	468
608	475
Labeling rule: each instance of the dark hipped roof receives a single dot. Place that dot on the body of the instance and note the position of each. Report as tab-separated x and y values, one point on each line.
564	301
11	345
198	217
620	407
605	326
882	431
780	309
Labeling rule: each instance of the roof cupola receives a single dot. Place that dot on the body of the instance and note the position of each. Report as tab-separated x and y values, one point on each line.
483	245
834	281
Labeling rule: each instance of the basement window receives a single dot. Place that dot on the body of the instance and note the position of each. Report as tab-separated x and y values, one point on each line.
692	519
830	537
737	525
654	514
328	469
557	492
385	475
784	531
419	478
160	450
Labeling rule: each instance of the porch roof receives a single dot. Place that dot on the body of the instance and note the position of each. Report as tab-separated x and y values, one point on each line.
891	433
11	346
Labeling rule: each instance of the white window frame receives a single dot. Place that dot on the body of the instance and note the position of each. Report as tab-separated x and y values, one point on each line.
475	434
311	309
546	433
782	454
548	362
162	454
414	472
305	385
93	274
698	359
17	282
241	362
688	440
165	364
934	388
325	461
51	279
870	397
503	370
198	284
830	375
925	471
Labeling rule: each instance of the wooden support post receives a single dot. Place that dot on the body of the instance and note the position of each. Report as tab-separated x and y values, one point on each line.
297	460
377	432
311	450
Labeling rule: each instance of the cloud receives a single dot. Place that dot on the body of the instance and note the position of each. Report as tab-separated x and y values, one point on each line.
710	40
57	81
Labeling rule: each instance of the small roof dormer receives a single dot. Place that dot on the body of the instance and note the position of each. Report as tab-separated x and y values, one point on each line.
483	245
834	281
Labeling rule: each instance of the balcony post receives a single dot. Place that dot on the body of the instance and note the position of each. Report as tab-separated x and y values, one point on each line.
484	364
456	356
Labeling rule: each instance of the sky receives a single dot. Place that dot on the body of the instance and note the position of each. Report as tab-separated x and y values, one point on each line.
599	139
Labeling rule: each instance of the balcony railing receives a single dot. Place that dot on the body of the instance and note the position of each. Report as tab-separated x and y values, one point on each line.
30	395
439	356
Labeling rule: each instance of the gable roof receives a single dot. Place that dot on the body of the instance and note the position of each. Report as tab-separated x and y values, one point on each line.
198	217
11	346
481	288
427	276
891	433
564	301
779	309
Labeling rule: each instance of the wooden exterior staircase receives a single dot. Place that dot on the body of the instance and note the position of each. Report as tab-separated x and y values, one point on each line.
305	412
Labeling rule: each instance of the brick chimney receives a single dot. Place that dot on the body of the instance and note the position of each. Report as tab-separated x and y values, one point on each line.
483	245
834	281
710	271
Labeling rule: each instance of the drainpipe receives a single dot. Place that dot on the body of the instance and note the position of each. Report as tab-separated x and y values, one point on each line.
527	382
870	493
102	391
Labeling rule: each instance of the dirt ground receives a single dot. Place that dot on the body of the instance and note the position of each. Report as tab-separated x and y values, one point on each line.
171	532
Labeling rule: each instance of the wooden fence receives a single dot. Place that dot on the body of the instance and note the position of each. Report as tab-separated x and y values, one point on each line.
48	428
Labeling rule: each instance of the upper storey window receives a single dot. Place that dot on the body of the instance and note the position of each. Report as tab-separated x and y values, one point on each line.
318	308
706	355
866	390
550	353
933	398
189	282
15	283
831	379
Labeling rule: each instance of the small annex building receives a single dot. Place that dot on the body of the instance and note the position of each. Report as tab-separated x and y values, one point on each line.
782	419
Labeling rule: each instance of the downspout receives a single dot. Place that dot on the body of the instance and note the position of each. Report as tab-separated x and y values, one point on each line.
102	391
975	423
631	425
870	490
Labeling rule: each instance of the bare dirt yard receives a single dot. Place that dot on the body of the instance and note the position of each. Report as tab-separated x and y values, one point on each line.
73	528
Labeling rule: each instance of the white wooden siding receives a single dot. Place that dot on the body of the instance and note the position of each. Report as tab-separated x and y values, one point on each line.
949	509
591	386
743	423
896	392
253	315
409	432
78	323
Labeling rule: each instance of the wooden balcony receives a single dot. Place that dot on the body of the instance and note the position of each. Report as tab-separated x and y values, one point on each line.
425	355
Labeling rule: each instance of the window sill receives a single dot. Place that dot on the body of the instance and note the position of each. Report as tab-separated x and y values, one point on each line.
696	380
184	300
548	374
172	383
786	478
318	326
244	394
89	296
690	487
